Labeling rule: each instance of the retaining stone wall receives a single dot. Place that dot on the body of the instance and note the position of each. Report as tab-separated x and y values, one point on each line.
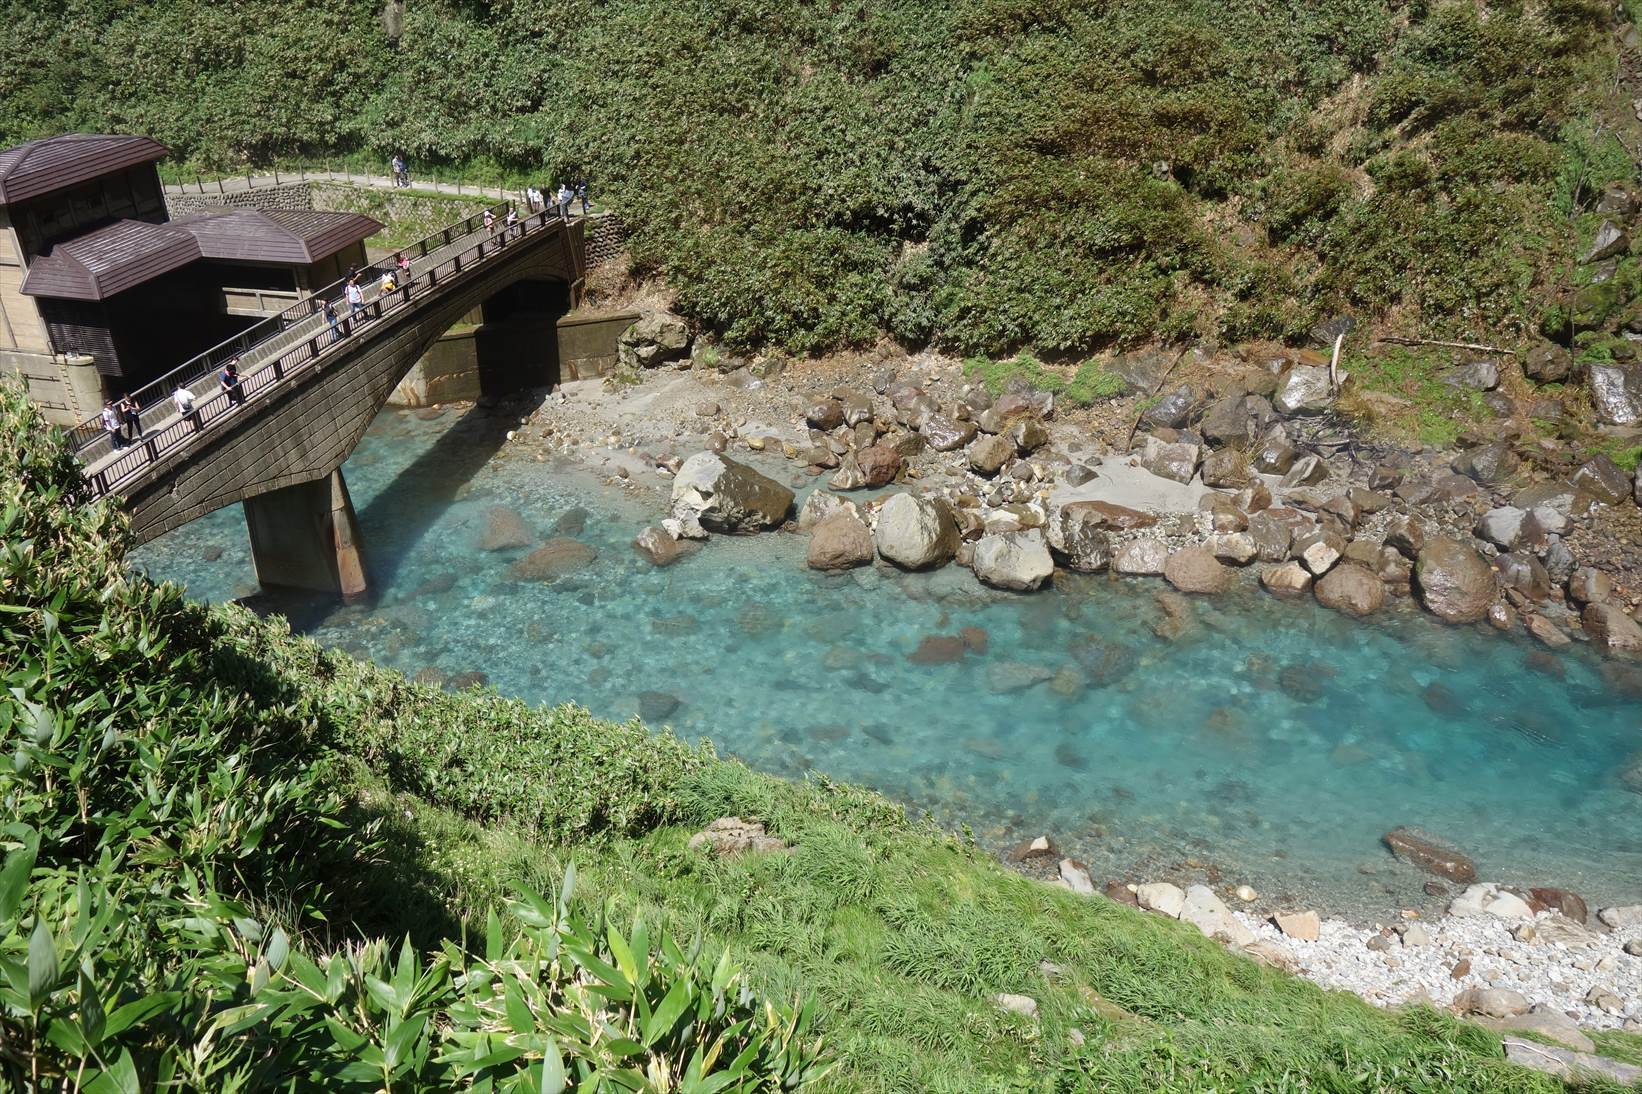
290	195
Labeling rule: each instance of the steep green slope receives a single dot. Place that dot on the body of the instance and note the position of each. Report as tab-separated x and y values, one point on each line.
218	836
990	175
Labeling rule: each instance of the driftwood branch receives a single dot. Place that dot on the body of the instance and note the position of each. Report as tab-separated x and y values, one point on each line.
1334	364
1475	346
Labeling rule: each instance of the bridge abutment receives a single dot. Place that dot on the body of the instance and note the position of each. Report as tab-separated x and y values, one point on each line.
307	537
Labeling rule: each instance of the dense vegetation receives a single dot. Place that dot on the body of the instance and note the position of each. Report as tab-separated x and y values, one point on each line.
994	175
234	860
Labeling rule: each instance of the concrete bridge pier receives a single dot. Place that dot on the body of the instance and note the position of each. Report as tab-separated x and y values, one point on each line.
306	536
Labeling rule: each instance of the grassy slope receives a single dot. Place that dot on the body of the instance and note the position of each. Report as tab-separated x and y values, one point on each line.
900	933
992	175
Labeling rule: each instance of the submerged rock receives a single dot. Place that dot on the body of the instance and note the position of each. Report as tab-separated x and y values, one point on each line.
1078	537
726	496
552	560
1429	854
504	529
658	547
1612	630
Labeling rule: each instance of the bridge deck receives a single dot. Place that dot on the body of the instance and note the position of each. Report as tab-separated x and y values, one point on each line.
288	348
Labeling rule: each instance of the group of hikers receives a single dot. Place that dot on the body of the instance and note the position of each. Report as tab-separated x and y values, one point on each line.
539	200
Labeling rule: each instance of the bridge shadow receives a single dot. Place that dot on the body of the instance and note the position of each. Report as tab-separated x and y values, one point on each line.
401	513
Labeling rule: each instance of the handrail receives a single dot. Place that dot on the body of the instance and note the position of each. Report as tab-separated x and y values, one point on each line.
317	347
157	392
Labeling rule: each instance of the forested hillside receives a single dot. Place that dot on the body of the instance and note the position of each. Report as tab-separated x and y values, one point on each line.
987	175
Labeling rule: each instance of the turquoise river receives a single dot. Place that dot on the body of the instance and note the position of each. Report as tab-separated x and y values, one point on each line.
1272	743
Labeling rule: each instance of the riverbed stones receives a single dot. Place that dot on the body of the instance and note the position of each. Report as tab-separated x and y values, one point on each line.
1422	850
1177	461
1319	551
1078	538
818	506
1196	570
1491	1002
1567	1064
1305	926
656	546
1352	589
825	415
1274	456
1161	897
989	453
1502	526
1288	580
1141	557
552	560
1588	585
938	649
1235	548
1075	876
1018	561
1307	471
1272	534
916	531
657	706
944	434
880	465
1602	479
729	497
1304	390
1226	468
1612	630
1616	393
1490	900
840	541
1488	463
1209	914
504	530
655	339
1455	583
1545	1022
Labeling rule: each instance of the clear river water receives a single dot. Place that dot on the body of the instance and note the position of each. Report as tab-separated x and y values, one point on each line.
1272	742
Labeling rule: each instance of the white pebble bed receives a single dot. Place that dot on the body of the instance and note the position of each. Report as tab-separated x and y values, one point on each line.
1554	973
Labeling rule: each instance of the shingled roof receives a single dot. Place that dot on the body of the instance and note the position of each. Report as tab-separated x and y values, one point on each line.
56	163
109	260
286	237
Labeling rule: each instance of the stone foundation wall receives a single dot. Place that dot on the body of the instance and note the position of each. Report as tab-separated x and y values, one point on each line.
606	235
68	390
587	344
290	195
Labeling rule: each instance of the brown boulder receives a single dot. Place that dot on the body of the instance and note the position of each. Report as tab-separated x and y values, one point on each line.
880	464
840	541
1455	583
552	560
504	529
938	649
1351	588
1196	570
1612	630
1420	849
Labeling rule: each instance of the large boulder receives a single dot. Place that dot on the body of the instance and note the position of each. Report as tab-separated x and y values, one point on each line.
1612	630
1352	589
1177	461
1288	580
819	506
1196	570
1209	914
840	541
1455	583
655	339
726	496
1601	478
1013	560
988	454
1616	392
916	532
944	434
1142	556
1547	363
1303	390
1078	536
1610	240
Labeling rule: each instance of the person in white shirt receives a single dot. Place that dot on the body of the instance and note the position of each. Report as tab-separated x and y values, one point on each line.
184	400
112	425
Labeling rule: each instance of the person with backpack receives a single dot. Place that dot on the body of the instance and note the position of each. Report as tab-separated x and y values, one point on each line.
355	295
228	380
183	400
131	417
581	194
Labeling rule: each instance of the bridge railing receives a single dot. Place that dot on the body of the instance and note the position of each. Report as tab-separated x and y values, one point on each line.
290	343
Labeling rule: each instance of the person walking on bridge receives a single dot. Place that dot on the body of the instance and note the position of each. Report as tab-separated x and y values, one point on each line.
564	196
511	224
490	223
356	297
328	310
229	381
183	399
581	194
401	263
112	425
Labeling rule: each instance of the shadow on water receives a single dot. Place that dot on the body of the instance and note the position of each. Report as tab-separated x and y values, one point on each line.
401	514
